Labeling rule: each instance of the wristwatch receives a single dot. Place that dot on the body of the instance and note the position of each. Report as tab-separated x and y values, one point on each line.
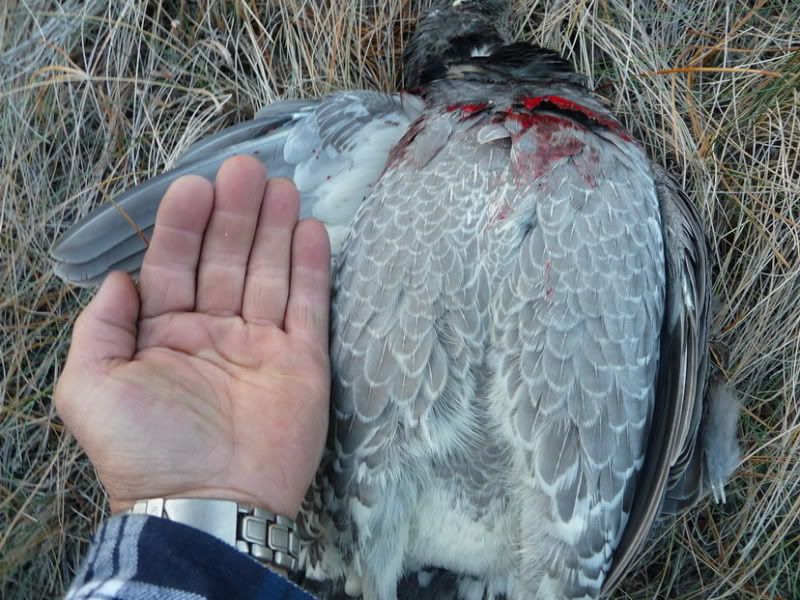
267	537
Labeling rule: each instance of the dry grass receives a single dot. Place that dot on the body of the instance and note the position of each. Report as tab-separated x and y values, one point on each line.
97	95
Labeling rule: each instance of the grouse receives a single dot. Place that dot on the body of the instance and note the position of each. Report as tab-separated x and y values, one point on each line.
520	317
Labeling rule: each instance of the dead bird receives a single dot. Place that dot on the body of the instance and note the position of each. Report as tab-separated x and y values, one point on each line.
520	320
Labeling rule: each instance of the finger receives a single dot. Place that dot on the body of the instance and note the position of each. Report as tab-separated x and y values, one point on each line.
167	278
309	289
104	334
267	284
239	191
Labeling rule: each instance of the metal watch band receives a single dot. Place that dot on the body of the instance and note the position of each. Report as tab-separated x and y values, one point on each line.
267	537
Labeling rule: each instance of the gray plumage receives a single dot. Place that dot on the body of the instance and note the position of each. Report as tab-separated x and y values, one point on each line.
721	452
519	322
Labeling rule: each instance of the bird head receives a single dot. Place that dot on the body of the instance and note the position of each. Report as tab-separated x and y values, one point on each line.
452	29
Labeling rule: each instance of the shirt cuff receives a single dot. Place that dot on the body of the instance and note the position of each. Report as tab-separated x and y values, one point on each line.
140	556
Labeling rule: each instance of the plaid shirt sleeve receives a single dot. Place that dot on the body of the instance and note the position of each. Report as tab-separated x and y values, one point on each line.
138	557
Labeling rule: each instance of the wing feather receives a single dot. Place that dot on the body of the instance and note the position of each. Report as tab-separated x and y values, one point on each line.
672	470
334	149
584	298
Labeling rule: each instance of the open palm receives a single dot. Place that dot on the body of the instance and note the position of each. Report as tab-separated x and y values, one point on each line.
213	379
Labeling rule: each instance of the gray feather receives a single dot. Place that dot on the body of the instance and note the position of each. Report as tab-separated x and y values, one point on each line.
721	452
671	474
322	161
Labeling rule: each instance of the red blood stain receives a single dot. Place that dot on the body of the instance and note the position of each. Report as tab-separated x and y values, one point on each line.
467	110
588	166
398	152
588	177
527	120
548	268
552	143
531	103
499	216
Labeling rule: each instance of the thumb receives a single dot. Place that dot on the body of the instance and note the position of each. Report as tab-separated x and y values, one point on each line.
104	334
106	330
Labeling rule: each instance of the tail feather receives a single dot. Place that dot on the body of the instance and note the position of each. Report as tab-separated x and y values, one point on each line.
721	451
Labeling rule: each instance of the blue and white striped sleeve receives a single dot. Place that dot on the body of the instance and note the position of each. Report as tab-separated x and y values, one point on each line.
138	557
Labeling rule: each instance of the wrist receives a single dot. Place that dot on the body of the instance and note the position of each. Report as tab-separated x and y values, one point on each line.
269	538
122	505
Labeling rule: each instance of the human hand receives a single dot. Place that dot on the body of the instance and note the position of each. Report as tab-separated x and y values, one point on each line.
213	380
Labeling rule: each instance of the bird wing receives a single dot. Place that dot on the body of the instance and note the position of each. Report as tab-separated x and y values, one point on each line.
672	471
334	149
576	327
